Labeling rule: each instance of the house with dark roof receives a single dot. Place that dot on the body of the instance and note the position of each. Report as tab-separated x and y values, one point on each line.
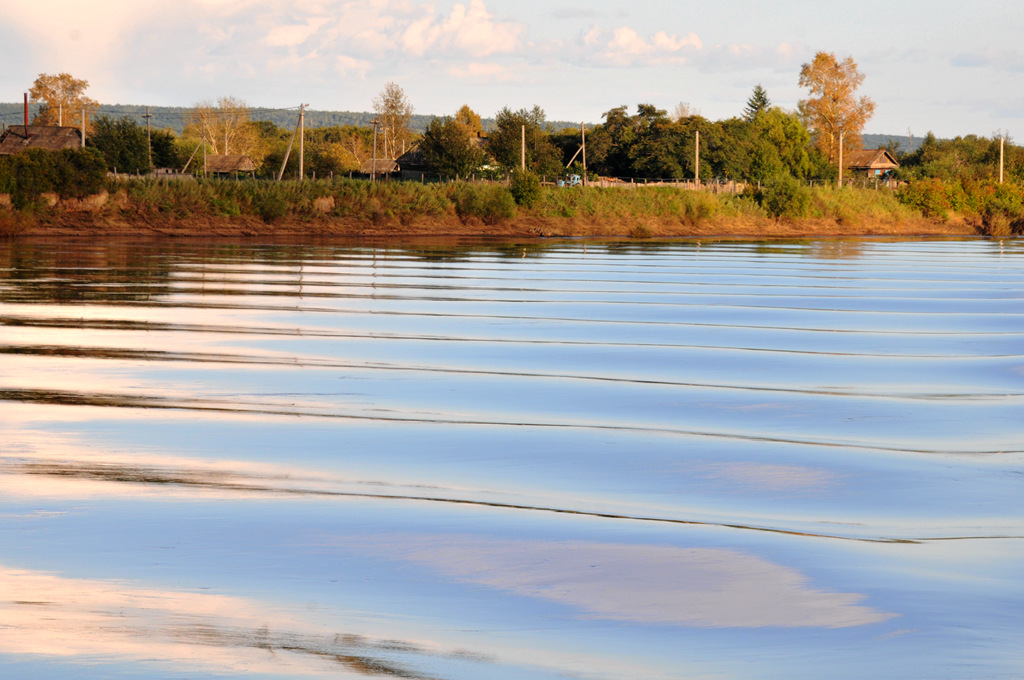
379	167
412	163
50	137
872	162
229	164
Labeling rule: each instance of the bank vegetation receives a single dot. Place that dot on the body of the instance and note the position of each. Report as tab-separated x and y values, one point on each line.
69	192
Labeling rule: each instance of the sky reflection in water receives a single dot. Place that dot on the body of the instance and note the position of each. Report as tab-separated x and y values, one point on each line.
642	461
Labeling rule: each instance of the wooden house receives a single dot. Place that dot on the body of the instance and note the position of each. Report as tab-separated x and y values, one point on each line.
50	137
412	164
380	167
870	162
230	164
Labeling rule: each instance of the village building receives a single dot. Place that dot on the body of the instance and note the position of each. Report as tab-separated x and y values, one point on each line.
873	163
50	137
412	164
380	167
230	164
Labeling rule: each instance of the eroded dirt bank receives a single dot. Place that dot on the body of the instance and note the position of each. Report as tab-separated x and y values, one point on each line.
87	223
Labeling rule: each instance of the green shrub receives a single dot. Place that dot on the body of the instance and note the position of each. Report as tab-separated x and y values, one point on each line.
784	196
490	203
270	204
70	173
525	187
930	196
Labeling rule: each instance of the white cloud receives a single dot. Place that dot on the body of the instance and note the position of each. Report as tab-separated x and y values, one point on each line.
350	66
627	47
468	29
294	34
593	36
484	72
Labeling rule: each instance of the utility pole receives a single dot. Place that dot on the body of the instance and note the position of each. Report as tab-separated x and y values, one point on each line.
60	114
583	142
522	149
840	158
83	125
696	158
288	151
302	140
149	137
1002	140
204	148
373	168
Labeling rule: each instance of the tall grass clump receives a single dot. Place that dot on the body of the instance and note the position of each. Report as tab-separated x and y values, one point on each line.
854	205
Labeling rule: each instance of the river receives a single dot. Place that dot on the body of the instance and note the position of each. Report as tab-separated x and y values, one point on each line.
512	461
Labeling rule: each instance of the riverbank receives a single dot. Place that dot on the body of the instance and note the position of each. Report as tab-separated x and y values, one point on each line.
89	224
384	210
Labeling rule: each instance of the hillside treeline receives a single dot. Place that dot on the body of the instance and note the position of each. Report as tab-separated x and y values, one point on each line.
760	145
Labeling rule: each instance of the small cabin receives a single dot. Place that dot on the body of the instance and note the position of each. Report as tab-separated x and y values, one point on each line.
874	163
230	164
50	137
412	163
379	167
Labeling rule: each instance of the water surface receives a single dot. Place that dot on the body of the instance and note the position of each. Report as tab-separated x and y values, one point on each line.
679	460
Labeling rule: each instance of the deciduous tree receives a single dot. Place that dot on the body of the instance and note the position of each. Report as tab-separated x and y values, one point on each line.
833	111
123	144
62	98
225	127
470	120
505	143
448	149
393	111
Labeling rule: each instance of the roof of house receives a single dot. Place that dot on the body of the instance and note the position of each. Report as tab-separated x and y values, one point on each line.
412	159
230	163
869	159
51	137
382	167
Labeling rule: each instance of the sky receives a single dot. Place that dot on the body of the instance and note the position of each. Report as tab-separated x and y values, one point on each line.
949	67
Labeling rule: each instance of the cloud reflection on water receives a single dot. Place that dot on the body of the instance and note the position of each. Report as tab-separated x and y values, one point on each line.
702	587
768	476
54	616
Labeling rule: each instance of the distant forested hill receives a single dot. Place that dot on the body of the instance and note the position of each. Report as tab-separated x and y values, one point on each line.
906	143
173	117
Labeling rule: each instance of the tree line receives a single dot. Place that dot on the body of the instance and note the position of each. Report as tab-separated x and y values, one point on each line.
762	143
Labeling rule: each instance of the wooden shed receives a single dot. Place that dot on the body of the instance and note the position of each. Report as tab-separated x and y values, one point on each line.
230	164
872	162
382	167
50	137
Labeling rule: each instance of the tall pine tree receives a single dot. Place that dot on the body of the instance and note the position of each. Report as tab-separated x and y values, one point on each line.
758	103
